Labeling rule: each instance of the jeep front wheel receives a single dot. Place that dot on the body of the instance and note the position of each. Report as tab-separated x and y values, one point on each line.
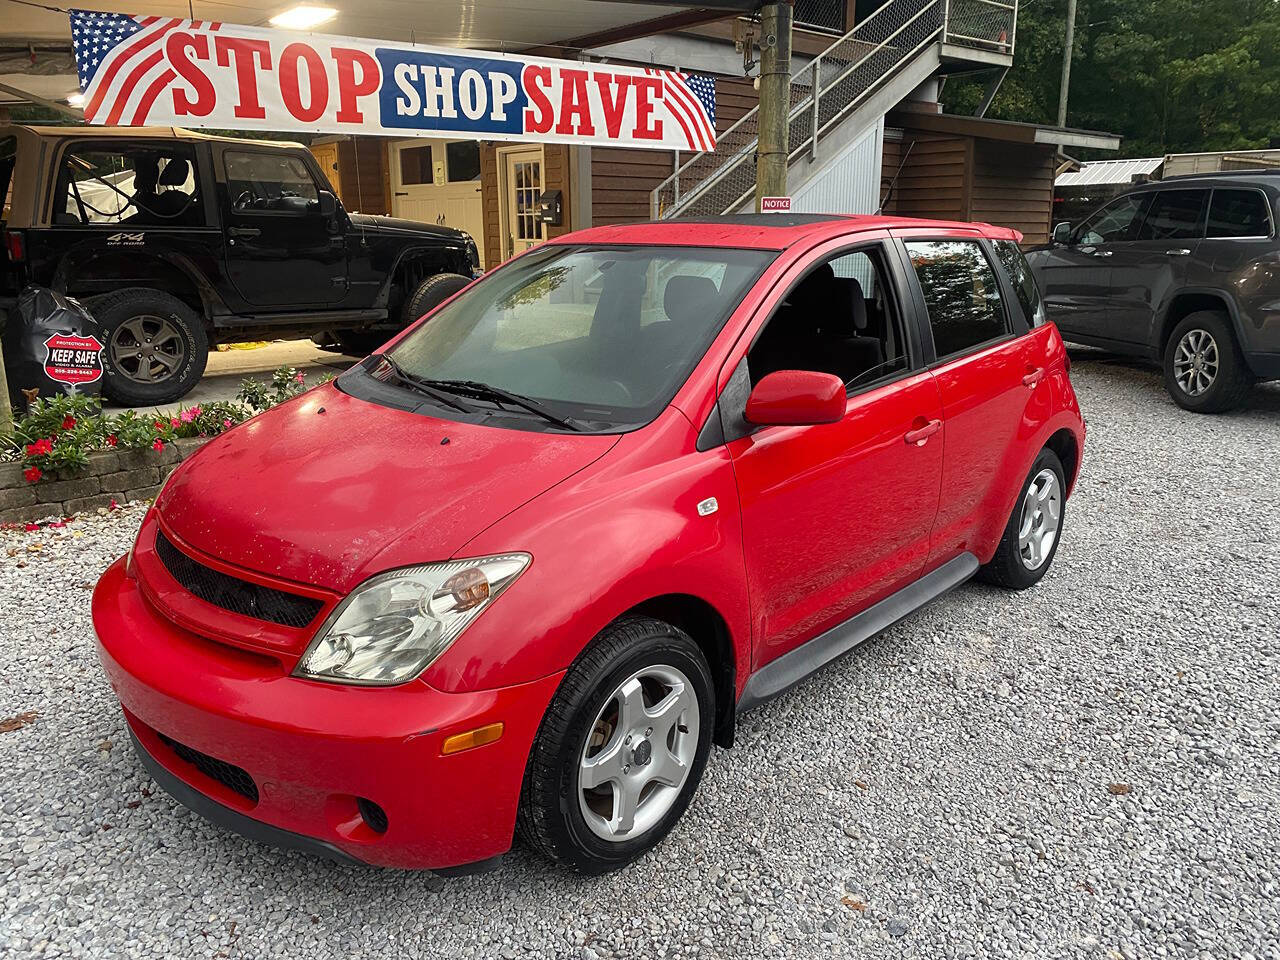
432	292
156	346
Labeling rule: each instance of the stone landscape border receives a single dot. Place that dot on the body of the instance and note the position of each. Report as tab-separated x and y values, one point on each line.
119	475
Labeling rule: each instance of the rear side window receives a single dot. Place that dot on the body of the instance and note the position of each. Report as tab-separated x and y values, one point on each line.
1175	215
960	292
1238	213
138	185
1022	280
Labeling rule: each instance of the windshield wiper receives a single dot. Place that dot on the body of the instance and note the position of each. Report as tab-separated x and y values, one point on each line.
421	386
485	391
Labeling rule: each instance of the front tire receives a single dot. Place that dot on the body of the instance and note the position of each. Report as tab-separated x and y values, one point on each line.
621	748
1204	370
156	346
432	292
1031	537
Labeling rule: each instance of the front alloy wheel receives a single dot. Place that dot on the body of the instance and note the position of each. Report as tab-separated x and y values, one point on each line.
638	753
1195	362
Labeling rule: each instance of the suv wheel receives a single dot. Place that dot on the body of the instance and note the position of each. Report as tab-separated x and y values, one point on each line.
1031	537
156	346
432	292
1204	369
621	749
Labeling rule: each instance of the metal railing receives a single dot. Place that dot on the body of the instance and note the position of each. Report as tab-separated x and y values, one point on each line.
830	87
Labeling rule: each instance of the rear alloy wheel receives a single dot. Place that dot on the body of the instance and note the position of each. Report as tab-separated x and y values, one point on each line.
1204	369
156	346
1031	536
621	748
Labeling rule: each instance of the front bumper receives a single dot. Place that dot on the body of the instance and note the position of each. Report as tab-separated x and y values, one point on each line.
313	749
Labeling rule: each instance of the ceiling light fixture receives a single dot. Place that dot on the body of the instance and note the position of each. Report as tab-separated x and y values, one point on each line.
303	17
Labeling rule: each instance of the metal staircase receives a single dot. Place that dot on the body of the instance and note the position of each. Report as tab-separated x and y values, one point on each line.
856	79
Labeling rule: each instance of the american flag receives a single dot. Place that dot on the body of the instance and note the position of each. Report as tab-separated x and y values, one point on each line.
691	98
122	64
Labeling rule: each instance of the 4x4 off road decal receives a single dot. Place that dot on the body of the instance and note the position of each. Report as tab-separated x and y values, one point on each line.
72	359
125	240
202	73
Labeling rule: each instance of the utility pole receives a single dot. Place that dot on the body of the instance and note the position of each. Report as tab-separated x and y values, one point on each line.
775	99
1067	50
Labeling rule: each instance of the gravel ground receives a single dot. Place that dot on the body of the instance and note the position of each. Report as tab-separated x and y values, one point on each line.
1089	769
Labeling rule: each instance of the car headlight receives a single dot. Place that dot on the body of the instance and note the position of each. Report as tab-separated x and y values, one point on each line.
395	624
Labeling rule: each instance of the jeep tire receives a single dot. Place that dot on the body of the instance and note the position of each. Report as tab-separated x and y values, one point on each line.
432	292
1204	370
155	346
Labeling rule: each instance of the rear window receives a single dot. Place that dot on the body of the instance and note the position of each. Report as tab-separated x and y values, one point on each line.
1175	215
1024	283
1238	213
960	292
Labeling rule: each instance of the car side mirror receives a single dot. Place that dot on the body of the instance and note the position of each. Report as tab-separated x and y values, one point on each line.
796	398
1062	233
328	204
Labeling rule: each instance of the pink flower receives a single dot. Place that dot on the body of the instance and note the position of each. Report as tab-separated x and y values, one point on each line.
188	415
158	445
226	424
174	422
32	474
299	376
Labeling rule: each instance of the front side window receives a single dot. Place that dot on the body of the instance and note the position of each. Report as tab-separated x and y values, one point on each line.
960	292
602	335
1175	215
270	183
1238	213
136	186
841	318
1022	280
1118	220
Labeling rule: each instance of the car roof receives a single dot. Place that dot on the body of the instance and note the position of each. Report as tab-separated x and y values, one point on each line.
1223	178
769	231
83	131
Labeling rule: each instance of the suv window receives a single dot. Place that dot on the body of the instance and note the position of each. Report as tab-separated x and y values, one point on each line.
1118	220
960	292
8	158
1238	213
141	185
841	318
269	183
1175	215
1024	283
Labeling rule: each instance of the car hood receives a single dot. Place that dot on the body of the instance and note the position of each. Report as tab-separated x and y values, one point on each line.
401	227
328	489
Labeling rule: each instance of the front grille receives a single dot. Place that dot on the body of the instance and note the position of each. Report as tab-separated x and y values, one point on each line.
228	774
234	594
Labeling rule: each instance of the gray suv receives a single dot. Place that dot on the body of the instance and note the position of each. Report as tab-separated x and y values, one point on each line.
1185	271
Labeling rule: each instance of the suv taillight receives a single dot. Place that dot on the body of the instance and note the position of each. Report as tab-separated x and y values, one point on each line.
15	247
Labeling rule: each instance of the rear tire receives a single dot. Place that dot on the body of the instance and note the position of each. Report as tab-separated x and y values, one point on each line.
432	292
1034	530
1204	370
156	346
604	725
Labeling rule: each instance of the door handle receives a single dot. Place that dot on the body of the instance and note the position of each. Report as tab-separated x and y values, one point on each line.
1103	253
1034	377
1180	252
244	231
921	435
402	193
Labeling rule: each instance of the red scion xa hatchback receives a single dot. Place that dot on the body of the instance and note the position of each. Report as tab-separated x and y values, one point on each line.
524	565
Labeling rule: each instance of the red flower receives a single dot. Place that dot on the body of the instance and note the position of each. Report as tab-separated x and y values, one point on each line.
31	527
68	423
158	445
159	426
32	474
111	440
113	505
42	447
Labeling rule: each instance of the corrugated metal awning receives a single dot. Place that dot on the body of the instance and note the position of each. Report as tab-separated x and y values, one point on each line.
1104	172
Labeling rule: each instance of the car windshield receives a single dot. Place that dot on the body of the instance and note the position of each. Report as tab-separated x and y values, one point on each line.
598	336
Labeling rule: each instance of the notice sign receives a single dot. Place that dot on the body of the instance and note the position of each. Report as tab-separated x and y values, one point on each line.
72	359
775	204
140	71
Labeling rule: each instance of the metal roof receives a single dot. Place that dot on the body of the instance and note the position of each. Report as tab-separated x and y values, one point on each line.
1107	172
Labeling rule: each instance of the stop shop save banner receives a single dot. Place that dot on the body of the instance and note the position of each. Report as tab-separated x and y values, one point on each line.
138	71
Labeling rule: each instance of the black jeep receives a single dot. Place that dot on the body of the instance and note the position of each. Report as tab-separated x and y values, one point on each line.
176	241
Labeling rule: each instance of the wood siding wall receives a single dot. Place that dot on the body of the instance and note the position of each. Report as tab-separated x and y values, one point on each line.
933	181
622	178
1013	187
366	180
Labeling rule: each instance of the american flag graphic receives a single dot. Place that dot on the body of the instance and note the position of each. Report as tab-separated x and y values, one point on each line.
122	64
691	99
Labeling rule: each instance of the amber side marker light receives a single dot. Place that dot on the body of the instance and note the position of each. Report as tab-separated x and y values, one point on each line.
472	738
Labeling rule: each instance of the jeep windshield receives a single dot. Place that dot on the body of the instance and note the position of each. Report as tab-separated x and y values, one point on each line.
599	338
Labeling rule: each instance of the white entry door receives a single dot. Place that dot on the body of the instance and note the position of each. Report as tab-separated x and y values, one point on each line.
522	186
438	181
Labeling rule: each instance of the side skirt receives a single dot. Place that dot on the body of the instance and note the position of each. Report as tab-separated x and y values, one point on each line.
789	669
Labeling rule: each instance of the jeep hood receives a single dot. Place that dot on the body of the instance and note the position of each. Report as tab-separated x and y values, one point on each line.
400	227
329	489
